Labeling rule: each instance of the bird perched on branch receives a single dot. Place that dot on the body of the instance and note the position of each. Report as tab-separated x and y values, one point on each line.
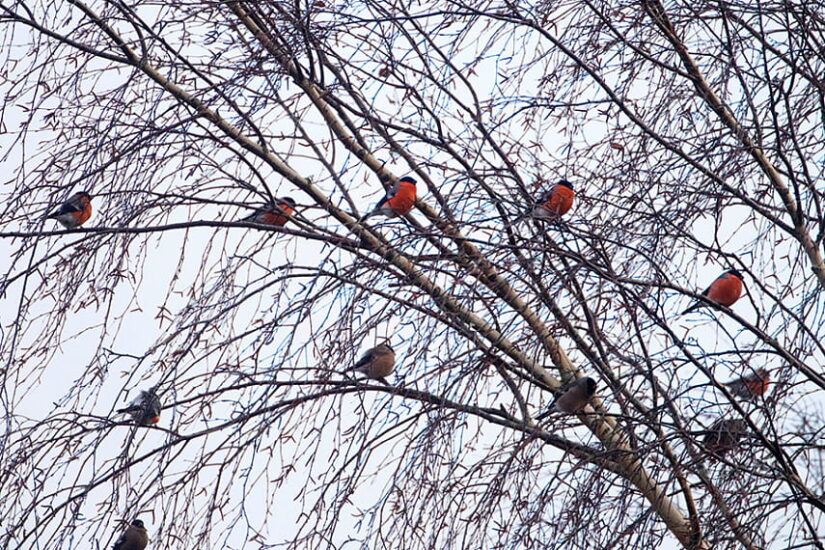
725	290
133	538
751	386
75	211
555	202
399	200
145	408
276	214
376	363
724	435
572	398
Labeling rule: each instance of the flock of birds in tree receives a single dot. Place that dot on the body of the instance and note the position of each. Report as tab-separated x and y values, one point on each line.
377	363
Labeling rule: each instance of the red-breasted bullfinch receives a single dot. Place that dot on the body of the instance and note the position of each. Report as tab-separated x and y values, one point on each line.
75	211
145	408
751	387
725	290
133	538
276	214
724	435
376	363
572	398
399	200
555	202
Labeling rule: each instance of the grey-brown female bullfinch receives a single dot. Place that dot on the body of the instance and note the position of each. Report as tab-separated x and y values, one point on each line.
724	435
376	363
145	408
276	215
75	211
725	290
556	201
398	201
573	397
133	538
751	387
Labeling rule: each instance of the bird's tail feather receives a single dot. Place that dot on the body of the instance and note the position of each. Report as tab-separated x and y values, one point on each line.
371	213
547	413
694	307
520	218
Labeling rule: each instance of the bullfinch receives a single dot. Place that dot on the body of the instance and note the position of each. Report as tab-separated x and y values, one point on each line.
376	363
133	538
556	201
398	201
276	215
750	387
573	397
75	211
725	290
724	435
145	408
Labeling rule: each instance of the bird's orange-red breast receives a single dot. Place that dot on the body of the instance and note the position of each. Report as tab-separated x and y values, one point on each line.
725	290
75	211
751	386
274	215
398	201
556	202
